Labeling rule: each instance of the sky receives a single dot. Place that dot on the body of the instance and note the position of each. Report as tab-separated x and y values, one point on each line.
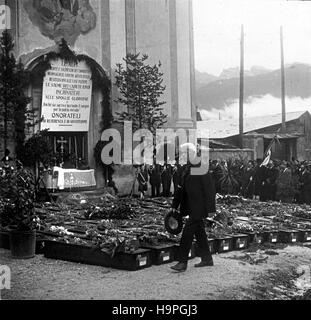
217	29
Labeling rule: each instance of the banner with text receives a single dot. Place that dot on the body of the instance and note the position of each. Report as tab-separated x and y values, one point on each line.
66	97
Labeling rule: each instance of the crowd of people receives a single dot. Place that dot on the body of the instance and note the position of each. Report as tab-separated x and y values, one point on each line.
285	181
160	178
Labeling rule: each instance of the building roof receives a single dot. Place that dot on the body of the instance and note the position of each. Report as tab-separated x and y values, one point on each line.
219	129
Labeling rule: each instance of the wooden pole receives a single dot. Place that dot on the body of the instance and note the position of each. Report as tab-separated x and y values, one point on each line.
5	145
282	82
241	102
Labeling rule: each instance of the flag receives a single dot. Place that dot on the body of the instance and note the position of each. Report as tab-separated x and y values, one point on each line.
267	159
268	152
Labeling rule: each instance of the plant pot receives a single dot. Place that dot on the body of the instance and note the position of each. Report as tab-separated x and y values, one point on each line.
23	244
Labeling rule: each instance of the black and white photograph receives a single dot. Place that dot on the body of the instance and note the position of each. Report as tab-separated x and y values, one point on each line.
155	153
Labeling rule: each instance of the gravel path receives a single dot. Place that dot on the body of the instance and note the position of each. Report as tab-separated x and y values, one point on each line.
232	277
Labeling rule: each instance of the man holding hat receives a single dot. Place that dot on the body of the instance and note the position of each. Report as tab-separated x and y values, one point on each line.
196	197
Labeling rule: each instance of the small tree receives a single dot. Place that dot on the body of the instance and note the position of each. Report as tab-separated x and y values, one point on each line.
37	149
141	87
13	101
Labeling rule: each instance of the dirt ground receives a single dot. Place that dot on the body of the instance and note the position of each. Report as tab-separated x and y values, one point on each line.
270	272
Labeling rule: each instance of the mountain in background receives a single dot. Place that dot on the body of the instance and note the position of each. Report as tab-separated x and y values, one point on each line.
257	82
203	78
235	72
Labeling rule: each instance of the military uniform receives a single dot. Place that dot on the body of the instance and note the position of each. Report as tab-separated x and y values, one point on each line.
166	178
155	180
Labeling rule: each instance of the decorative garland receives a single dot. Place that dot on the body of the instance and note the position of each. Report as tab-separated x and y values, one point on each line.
69	56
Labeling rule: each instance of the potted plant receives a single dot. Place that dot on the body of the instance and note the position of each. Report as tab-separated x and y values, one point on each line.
17	194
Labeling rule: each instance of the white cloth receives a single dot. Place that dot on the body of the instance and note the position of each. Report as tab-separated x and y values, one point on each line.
267	159
73	178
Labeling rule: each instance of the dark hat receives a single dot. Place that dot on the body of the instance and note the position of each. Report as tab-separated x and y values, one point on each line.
173	223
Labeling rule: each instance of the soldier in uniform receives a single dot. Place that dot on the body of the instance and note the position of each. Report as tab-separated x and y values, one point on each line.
166	178
155	180
258	178
247	181
268	188
142	178
284	188
217	174
306	184
176	175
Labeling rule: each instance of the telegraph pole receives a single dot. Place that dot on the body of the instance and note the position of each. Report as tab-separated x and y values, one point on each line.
241	101
282	82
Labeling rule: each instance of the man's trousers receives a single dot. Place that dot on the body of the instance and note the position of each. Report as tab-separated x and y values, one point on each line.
194	228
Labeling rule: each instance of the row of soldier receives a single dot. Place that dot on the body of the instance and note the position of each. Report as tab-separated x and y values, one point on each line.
160	177
285	181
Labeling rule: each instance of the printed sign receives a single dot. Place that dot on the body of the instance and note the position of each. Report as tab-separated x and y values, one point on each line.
165	256
66	97
142	260
225	245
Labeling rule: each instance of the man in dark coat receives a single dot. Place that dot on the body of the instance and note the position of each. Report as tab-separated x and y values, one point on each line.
155	180
7	160
166	178
273	176
247	181
176	176
306	184
268	184
217	174
196	197
258	178
284	188
142	178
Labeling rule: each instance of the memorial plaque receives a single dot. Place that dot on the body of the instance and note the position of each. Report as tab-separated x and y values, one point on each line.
66	97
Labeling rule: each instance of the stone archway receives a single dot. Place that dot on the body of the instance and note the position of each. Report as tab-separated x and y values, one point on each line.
80	143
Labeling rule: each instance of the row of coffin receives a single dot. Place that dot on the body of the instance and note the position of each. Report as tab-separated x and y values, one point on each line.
149	255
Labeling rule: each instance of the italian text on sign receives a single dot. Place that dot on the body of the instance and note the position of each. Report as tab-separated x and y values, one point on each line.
66	97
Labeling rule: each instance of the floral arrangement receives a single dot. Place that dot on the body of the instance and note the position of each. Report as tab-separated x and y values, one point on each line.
17	198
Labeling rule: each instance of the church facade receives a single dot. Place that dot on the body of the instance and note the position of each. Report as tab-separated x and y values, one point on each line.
100	33
103	32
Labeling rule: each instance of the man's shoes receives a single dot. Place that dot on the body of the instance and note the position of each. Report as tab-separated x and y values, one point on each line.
208	263
180	267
